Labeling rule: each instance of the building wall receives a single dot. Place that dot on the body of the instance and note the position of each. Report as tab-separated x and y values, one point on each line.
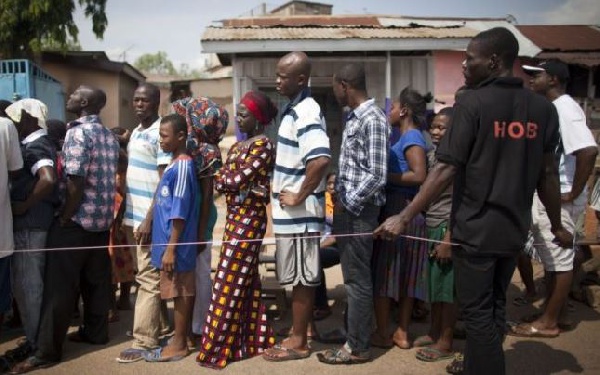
73	77
220	90
127	117
448	76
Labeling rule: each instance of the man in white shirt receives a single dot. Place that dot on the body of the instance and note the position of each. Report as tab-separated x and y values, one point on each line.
577	150
10	161
146	164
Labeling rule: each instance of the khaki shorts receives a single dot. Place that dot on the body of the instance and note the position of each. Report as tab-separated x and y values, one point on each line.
553	257
180	284
297	259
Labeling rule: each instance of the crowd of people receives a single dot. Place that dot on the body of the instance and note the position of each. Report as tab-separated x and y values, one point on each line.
439	216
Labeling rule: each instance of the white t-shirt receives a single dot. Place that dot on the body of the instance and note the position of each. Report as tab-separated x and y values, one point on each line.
145	155
10	160
575	135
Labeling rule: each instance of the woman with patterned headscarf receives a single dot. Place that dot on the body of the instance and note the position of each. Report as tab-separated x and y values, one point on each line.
236	325
207	122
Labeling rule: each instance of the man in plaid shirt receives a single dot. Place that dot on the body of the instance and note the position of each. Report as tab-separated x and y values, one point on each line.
360	189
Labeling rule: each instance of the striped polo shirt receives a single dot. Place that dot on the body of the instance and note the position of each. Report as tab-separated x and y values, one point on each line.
145	155
302	137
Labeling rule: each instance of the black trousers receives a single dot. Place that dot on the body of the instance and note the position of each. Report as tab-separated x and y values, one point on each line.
69	272
481	283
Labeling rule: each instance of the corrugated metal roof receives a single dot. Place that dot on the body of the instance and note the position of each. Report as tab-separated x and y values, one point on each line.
563	37
321	28
312	20
589	59
333	32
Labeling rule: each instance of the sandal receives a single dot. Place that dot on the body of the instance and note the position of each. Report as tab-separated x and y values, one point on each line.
528	330
280	354
429	354
30	364
341	357
422	341
457	366
131	355
156	355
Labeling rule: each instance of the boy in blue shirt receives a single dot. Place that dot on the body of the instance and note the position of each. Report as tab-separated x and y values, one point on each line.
174	233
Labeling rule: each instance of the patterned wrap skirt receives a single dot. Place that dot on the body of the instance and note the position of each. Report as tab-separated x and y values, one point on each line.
400	267
236	324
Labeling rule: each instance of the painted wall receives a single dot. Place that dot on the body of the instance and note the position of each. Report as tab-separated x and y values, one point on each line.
118	110
447	76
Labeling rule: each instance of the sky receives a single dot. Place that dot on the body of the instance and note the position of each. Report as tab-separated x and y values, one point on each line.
136	27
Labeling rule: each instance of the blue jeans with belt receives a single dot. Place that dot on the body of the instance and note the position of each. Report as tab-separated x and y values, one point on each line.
355	259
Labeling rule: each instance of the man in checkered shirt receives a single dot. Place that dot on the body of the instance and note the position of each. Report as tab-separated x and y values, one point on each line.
360	189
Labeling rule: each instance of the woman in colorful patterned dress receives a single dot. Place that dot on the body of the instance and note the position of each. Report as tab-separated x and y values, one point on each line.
236	325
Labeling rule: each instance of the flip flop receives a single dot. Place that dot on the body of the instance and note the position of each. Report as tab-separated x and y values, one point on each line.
528	330
422	341
289	354
429	354
340	357
135	355
155	355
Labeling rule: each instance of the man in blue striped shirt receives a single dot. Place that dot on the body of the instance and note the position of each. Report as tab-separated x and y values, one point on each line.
360	190
298	197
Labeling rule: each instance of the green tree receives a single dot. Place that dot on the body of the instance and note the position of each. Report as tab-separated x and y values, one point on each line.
155	63
48	44
25	24
186	72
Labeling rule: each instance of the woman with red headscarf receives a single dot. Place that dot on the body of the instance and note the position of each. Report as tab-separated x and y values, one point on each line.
236	325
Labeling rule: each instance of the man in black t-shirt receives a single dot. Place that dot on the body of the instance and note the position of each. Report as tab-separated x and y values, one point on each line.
498	151
34	194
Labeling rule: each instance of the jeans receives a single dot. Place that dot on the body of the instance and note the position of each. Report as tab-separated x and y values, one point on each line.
329	256
28	269
67	273
481	283
355	258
